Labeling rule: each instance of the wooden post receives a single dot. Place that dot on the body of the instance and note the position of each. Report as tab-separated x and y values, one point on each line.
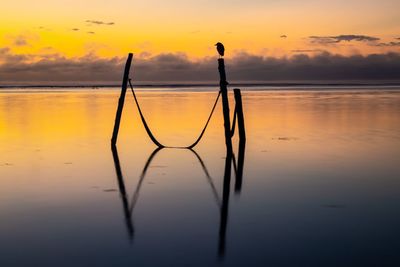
121	99
225	103
239	113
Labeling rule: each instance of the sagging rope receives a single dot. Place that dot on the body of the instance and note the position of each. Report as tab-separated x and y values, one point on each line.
155	141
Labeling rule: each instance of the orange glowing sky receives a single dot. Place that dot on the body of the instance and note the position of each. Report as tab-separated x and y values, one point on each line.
192	27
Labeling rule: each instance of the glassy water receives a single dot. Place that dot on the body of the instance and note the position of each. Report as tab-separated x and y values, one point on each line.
320	183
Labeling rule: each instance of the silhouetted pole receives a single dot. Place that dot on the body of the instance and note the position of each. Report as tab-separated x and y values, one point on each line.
225	103
122	191
225	203
121	99
239	114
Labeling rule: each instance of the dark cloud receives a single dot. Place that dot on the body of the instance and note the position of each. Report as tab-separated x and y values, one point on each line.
75	29
99	22
283	36
342	38
179	68
91	33
389	44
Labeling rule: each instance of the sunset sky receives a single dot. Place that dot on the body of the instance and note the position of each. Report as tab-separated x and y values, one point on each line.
65	30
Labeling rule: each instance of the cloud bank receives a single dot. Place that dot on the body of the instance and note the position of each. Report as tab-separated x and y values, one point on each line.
179	68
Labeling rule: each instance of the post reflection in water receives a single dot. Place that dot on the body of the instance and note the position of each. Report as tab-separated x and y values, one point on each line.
121	186
225	203
222	203
239	166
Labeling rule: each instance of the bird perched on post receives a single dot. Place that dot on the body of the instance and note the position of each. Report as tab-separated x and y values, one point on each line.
220	49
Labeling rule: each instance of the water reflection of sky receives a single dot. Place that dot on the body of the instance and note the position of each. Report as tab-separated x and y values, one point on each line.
320	183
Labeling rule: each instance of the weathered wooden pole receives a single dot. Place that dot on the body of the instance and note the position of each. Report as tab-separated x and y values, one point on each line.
225	103
228	161
121	99
239	114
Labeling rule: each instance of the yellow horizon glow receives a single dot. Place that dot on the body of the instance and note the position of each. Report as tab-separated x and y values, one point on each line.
192	27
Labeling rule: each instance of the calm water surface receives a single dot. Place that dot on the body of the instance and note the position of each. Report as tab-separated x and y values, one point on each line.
320	183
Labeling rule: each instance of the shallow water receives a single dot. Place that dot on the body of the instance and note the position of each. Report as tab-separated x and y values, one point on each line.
320	183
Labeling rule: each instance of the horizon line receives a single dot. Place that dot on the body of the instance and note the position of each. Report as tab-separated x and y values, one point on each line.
206	84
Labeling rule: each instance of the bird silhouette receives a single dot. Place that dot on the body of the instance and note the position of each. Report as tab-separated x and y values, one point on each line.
220	49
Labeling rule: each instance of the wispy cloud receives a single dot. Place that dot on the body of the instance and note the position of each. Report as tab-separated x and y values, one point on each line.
75	29
283	36
99	22
389	44
307	51
42	28
342	38
91	33
21	40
